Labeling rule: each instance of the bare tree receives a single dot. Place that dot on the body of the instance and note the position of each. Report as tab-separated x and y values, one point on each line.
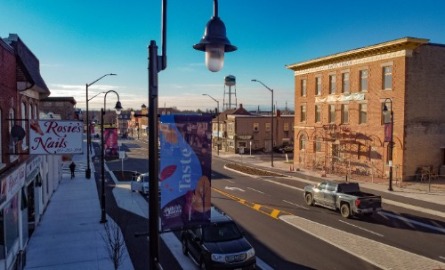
115	243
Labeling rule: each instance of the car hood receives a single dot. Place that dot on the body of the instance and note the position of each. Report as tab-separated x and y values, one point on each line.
228	247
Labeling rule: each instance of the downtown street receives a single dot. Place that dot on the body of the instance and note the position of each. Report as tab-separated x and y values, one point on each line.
285	232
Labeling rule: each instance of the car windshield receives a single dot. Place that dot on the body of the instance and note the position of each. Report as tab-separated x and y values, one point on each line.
219	232
143	178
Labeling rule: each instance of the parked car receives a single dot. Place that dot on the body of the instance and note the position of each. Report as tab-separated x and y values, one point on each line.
140	183
345	197
219	244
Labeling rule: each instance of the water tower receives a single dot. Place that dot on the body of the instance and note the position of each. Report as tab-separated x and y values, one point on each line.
229	102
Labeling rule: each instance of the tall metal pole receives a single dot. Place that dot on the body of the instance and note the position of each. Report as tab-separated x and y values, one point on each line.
391	145
391	139
103	218
217	117
271	121
88	170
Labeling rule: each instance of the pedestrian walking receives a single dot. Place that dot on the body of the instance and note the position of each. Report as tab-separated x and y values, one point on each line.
72	168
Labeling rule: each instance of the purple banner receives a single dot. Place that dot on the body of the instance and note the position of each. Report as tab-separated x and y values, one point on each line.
110	140
185	171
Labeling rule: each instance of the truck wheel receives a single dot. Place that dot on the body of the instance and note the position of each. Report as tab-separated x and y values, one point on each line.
345	211
309	199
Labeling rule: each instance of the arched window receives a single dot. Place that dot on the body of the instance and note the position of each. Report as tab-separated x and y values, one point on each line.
12	143
1	140
23	116
303	140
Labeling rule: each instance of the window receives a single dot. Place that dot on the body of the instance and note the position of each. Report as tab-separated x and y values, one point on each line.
303	87
286	127
303	142
363	80
387	77
386	116
363	113
345	82
23	116
12	143
344	113
256	126
318	143
332	84
318	86
1	140
302	113
267	127
331	113
317	113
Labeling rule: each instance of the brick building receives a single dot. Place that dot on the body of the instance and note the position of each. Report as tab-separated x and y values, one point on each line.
26	181
341	105
63	106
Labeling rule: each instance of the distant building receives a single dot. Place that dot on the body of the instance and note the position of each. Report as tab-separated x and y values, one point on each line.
340	116
64	107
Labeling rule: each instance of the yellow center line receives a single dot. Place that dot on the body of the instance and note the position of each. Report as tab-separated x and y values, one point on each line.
272	212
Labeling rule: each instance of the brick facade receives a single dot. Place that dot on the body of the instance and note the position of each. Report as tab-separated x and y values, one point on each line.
415	96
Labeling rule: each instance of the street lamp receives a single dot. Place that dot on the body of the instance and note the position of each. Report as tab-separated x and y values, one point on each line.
271	120
118	109
217	118
88	170
214	43
389	134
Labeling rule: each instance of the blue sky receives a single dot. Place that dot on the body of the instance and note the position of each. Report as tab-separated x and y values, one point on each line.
79	41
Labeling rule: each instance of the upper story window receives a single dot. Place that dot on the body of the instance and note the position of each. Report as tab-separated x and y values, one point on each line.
332	83
344	113
345	82
12	143
318	88
317	113
267	126
363	113
286	127
1	139
363	80
303	87
331	113
303	113
24	116
256	126
387	77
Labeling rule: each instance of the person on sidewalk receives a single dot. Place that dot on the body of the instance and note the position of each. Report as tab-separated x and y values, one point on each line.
72	168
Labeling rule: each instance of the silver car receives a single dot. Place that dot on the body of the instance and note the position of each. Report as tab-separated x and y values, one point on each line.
141	183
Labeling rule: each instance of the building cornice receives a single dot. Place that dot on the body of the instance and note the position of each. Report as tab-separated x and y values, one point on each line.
398	47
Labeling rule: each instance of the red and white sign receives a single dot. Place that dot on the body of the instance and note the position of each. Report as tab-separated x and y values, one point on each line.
52	137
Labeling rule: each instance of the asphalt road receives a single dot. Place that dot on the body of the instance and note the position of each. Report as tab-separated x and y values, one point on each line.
279	245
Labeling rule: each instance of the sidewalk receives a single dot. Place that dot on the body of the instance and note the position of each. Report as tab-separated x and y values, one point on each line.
69	235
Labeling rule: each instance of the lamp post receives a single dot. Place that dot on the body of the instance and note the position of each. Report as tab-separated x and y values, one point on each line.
389	136
118	108
271	120
88	170
217	119
214	43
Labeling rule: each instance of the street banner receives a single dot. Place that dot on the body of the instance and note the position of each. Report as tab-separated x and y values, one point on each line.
52	137
110	140
388	132
185	170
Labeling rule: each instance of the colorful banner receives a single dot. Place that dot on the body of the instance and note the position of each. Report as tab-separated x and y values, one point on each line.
50	137
388	132
110	141
185	170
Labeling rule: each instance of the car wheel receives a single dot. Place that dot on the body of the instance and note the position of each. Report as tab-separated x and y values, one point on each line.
345	210
185	249
309	199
